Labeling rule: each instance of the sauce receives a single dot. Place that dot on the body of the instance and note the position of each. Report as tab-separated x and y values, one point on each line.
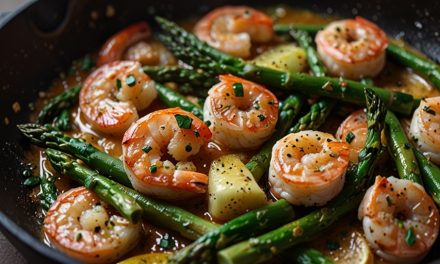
393	77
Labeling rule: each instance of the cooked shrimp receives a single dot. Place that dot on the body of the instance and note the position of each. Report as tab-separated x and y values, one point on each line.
178	132
400	220
112	95
354	131
82	226
352	48
243	114
308	168
135	43
425	128
232	29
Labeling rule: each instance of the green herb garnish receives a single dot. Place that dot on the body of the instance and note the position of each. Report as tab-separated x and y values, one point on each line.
183	121
238	89
349	138
261	117
153	168
78	237
389	200
118	84
410	237
196	133
131	80
166	242
147	149
87	63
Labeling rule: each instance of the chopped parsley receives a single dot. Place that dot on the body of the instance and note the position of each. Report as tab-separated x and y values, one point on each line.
196	133
131	80
410	237
238	89
428	110
183	121
261	117
147	149
118	84
153	168
207	122
78	237
389	200
349	138
166	242
257	105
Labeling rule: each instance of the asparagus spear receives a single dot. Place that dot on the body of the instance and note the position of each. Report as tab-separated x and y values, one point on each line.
264	247
419	64
317	115
401	150
259	163
172	98
195	82
48	191
57	104
62	121
48	137
203	250
403	55
103	187
163	214
430	175
199	54
306	255
305	41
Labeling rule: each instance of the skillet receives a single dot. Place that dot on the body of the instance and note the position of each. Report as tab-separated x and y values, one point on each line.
40	39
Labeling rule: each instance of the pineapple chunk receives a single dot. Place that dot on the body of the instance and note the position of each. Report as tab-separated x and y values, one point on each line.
232	189
287	57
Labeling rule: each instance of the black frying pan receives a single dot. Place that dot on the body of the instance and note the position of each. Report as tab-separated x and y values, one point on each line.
41	39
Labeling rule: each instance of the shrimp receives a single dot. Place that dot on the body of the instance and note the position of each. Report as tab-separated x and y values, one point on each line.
232	29
112	95
353	130
243	114
308	168
352	48
400	220
180	133
425	128
135	43
82	226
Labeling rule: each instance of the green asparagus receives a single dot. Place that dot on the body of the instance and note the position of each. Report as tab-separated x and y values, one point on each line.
400	53
401	150
204	249
259	163
264	247
194	82
430	176
317	115
305	41
419	64
48	137
106	189
172	98
57	104
163	214
62	121
199	54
